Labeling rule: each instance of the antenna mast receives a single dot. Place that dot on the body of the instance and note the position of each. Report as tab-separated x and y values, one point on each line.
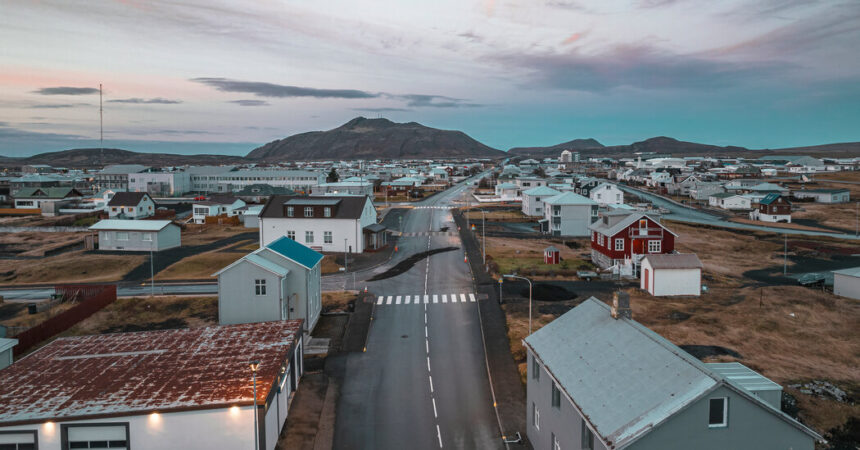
101	127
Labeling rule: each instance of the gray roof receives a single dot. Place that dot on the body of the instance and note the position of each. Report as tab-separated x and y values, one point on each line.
625	379
123	169
569	198
674	261
617	225
130	225
541	190
744	377
851	272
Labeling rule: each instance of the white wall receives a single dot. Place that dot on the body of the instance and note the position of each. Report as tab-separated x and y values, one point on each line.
846	286
272	229
668	282
231	428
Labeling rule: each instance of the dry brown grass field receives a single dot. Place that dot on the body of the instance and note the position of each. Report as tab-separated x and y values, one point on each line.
525	256
205	234
71	267
150	313
200	266
841	215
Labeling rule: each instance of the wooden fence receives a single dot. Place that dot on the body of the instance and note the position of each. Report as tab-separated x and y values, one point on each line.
90	297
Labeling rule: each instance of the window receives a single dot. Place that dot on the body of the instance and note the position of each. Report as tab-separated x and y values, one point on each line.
587	437
260	287
291	234
535	369
327	212
290	211
309	237
619	244
309	211
121	236
147	237
555	444
718	412
594	236
327	237
654	246
535	416
556	396
599	239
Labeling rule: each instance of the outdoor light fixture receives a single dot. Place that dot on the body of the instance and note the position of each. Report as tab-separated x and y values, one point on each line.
530	296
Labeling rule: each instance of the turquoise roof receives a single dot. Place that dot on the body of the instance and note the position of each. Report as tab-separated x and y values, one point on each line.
291	249
569	198
541	190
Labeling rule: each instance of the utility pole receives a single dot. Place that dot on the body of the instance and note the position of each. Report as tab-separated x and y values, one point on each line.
345	255
483	237
785	256
857	222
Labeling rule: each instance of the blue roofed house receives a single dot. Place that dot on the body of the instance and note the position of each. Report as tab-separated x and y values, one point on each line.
533	200
280	281
597	379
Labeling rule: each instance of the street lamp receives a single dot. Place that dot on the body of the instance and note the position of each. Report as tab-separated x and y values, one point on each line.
345	255
254	365
530	297
483	237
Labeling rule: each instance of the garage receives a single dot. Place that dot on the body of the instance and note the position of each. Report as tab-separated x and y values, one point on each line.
112	436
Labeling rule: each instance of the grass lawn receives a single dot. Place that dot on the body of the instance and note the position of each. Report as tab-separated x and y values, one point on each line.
200	266
71	267
328	265
525	256
497	216
150	313
205	234
788	333
336	301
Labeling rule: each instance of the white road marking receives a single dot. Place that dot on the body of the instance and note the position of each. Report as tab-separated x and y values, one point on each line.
397	301
471	297
463	298
435	298
431	382
426	300
435	414
388	301
439	435
428	364
407	299
379	302
425	330
444	298
427	344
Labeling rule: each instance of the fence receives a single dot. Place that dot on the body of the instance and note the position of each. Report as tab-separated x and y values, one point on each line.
20	211
90	298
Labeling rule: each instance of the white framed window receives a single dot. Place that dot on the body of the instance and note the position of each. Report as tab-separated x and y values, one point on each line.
535	369
556	396
121	236
327	212
260	287
619	244
718	412
309	211
290	211
535	416
309	237
555	444
147	237
291	234
654	246
599	239
327	237
587	437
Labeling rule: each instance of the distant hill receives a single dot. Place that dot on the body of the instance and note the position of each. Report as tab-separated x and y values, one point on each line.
555	150
94	157
663	144
362	138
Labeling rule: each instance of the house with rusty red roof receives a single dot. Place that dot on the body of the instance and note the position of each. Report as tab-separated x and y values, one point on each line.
184	388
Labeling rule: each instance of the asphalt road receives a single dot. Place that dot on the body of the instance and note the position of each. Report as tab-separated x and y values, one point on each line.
693	215
422	381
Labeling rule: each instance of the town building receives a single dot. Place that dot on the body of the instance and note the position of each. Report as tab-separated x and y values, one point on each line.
507	192
704	190
6	347
727	200
231	180
160	184
846	282
824	195
343	188
772	208
597	379
568	214
116	176
137	235
37	198
324	223
216	205
607	194
671	274
622	238
533	200
130	205
280	281
189	388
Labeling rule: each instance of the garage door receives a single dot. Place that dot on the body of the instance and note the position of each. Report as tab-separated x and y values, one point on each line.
18	441
97	436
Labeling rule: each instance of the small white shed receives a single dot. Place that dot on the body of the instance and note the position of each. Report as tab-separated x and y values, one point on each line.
671	274
846	282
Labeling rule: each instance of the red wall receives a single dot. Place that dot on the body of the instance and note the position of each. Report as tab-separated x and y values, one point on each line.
639	246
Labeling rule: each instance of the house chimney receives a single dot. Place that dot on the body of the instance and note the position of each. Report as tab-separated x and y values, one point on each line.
621	305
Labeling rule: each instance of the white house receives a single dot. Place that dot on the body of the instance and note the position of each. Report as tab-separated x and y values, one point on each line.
533	200
846	282
216	205
607	194
727	200
568	214
137	235
280	281
671	274
130	205
507	191
188	388
327	223
824	195
6	347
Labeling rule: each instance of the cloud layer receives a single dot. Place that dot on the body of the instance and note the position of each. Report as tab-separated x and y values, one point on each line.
66	90
272	90
146	101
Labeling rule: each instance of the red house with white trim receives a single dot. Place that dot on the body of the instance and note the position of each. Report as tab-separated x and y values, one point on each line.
623	238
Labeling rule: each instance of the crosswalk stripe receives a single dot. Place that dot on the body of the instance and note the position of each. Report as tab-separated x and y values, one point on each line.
463	298
397	300
460	297
444	298
471	297
426	299
379	302
407	299
388	300
435	298
453	298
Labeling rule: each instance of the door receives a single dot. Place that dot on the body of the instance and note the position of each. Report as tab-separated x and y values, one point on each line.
646	277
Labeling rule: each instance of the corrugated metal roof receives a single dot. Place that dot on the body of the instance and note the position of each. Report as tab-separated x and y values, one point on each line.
674	261
541	190
297	252
137	373
743	376
130	225
569	198
623	377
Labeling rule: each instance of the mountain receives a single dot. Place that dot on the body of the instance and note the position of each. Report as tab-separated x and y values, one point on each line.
93	157
362	138
555	150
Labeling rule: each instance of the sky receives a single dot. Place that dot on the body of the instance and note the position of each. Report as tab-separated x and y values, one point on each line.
224	76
